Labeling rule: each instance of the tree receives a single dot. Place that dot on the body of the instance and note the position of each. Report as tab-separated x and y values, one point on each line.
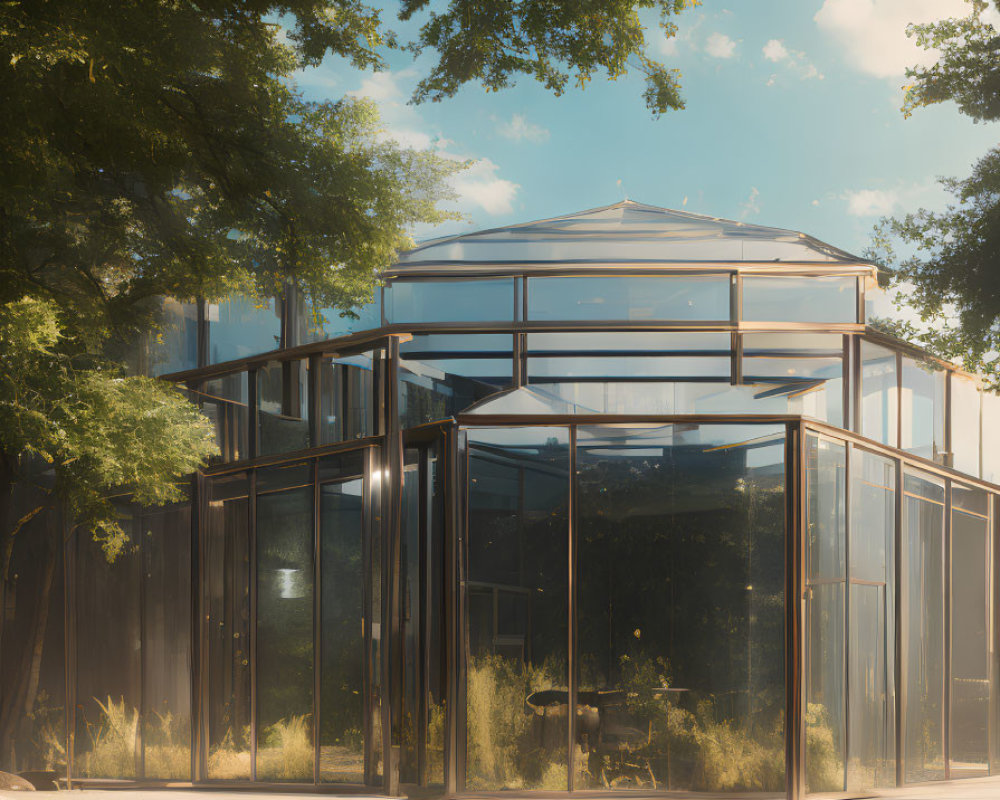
152	148
953	265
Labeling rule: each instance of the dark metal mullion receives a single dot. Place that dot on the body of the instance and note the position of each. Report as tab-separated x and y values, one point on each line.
856	387
252	591
202	334
449	596
574	677
252	414
314	404
317	606
461	627
949	452
392	695
735	297
368	531
199	625
993	604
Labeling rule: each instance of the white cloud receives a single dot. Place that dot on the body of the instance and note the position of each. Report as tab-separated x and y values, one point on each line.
667	46
775	50
872	33
871	202
518	129
480	186
718	45
750	205
771	79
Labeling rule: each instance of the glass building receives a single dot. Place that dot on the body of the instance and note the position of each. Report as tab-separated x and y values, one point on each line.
630	499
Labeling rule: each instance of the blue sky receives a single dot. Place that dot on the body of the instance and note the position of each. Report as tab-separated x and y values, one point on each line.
792	120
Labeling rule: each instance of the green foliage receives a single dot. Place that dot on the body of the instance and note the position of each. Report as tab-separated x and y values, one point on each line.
286	751
112	752
553	42
97	430
950	265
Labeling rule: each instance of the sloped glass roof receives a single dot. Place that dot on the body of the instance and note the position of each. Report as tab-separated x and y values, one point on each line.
627	233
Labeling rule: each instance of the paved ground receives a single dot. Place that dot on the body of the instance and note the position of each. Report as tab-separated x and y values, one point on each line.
978	789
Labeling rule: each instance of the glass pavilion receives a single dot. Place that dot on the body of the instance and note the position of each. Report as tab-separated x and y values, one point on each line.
629	499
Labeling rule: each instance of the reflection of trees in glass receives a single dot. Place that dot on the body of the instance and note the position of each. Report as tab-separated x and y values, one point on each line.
682	564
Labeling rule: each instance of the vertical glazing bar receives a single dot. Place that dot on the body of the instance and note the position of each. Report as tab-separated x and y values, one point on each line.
949	451
735	297
946	700
794	660
252	586
317	610
524	298
856	387
314	403
202	335
518	354
861	298
461	616
736	358
993	735
424	603
900	622
573	666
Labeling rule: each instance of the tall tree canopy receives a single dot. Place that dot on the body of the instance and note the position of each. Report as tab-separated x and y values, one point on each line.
155	148
955	266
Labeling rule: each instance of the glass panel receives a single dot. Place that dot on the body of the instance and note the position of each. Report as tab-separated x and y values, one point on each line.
680	608
970	645
341	734
517	545
614	368
329	323
629	297
241	327
879	393
174	343
166	648
923	612
649	397
108	668
285	580
991	435
227	627
347	398
488	300
965	429
922	409
623	342
826	464
224	401
283	406
870	722
795	344
805	299
434	388
871	642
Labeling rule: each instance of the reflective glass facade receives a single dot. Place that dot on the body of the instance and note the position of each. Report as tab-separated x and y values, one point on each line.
669	521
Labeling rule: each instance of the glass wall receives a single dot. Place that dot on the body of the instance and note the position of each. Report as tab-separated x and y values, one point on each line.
432	300
966	408
174	344
923	627
922	409
629	297
517	602
991	435
132	618
283	406
871	723
285	586
679	589
346	398
805	299
879	394
224	400
227	627
241	327
826	579
970	633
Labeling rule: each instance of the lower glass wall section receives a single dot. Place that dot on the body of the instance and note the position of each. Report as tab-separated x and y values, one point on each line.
679	586
680	608
291	706
970	633
517	600
923	627
133	655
